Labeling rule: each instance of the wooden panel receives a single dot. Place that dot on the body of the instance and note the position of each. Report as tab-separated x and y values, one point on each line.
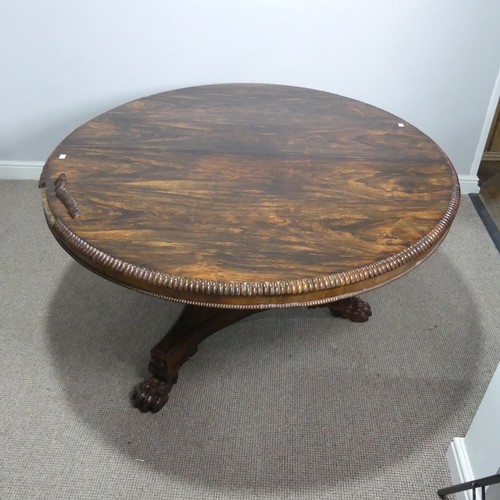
250	191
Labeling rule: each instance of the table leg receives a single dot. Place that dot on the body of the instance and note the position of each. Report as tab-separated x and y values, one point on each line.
193	326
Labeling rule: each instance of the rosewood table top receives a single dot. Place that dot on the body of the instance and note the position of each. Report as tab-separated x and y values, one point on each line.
249	195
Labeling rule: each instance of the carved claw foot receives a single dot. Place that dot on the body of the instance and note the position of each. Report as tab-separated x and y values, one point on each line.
353	308
151	395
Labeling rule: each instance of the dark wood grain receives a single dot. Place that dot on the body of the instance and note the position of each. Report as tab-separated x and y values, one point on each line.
250	196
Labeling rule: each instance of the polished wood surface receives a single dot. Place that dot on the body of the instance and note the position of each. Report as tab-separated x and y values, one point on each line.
249	196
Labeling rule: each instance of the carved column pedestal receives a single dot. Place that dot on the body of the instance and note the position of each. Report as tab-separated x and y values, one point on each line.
193	326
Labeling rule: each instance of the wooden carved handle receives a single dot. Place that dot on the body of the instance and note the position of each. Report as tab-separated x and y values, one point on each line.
66	199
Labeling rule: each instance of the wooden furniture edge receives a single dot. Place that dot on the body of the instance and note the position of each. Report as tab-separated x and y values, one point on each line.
252	295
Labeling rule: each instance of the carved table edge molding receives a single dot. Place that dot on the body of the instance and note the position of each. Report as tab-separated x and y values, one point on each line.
167	286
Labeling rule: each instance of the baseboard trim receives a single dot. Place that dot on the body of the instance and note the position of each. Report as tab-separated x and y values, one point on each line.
469	184
33	169
22	170
459	465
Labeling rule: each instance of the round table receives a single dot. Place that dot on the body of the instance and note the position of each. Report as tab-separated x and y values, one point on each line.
238	198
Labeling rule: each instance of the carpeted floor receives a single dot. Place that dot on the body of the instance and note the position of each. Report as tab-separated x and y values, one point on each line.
290	404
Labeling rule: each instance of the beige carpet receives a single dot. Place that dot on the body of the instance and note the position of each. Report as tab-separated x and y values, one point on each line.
290	404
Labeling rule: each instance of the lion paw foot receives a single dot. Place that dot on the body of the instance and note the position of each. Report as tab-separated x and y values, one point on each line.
353	308
151	395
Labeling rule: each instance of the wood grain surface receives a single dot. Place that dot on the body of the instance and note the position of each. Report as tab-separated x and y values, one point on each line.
250	195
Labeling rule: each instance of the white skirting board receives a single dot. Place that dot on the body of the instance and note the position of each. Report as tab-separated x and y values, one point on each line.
469	184
477	455
33	169
23	170
461	472
460	468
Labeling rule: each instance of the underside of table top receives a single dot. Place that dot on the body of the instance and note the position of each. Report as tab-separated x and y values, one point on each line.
249	196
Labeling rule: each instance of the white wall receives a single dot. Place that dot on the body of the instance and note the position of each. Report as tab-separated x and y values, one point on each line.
432	62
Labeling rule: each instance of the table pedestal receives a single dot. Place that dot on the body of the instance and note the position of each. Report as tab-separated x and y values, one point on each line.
193	326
